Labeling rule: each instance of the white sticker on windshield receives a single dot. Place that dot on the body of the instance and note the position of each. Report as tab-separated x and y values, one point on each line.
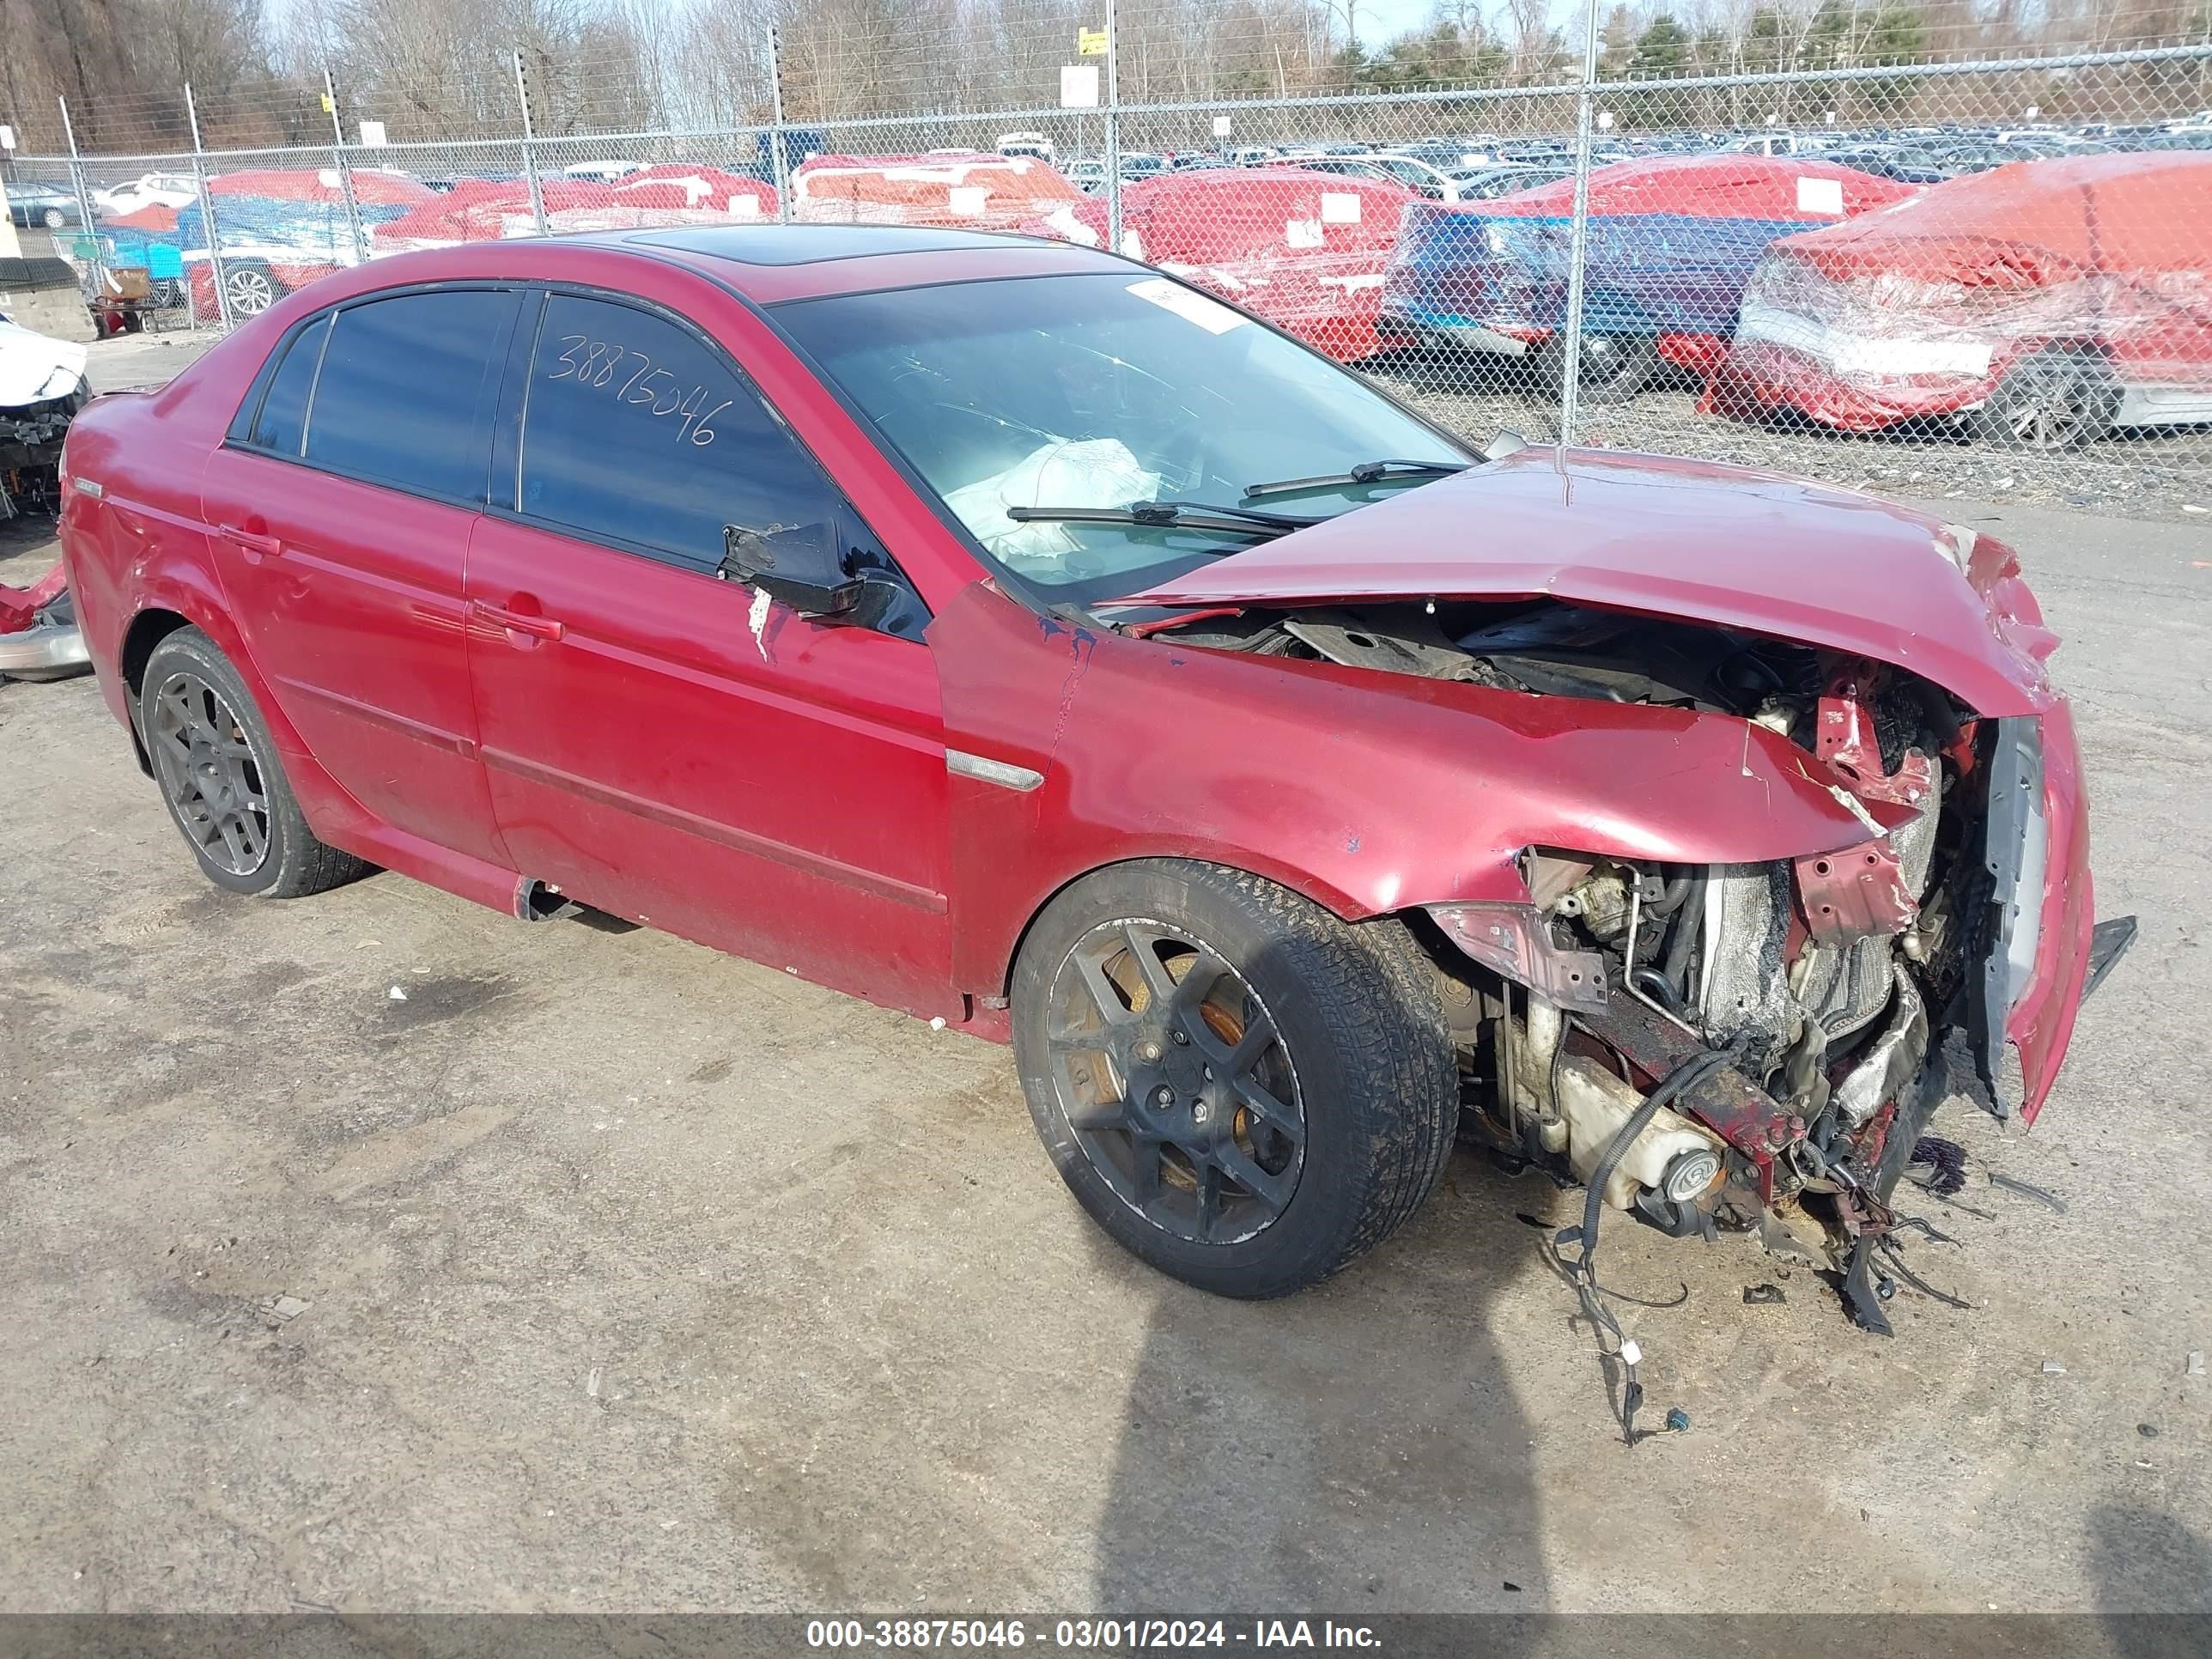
1209	314
1302	232
1339	207
970	201
1820	196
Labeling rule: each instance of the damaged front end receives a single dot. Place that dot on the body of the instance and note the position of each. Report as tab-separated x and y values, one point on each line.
1802	1016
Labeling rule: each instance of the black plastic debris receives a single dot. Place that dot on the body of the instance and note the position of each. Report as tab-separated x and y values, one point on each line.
1762	1296
1946	1159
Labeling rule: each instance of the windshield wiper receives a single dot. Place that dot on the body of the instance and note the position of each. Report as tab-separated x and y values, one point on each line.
1169	515
1367	472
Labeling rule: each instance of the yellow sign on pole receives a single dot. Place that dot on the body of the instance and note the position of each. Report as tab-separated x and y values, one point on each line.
1091	43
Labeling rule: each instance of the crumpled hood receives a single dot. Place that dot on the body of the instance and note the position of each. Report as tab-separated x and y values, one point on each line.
1740	549
34	367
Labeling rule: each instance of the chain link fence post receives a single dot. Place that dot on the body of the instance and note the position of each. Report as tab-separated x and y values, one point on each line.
83	196
778	154
529	146
344	171
1571	371
1113	131
205	196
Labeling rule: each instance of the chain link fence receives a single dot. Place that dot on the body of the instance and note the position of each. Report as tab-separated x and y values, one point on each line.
1935	278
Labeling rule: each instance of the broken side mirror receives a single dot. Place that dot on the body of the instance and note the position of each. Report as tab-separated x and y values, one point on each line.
801	566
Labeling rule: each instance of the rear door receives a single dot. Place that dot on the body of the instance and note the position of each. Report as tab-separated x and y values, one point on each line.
674	747
341	505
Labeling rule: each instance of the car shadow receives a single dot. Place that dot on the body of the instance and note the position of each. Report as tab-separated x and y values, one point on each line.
2151	1574
1352	1450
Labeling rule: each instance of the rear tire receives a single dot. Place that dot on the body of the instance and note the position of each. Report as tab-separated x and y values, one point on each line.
222	780
1270	1098
1614	368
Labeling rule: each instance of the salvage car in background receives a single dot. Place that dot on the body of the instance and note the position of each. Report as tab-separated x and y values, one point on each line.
475	211
1302	248
1671	241
281	229
977	190
2049	303
171	191
32	203
1028	641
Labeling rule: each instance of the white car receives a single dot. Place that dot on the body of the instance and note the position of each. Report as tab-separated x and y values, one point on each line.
168	190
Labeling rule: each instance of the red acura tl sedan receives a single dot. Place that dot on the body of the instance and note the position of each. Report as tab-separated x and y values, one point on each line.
1009	634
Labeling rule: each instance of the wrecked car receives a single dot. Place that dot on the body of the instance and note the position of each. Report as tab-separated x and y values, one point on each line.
1009	634
1671	241
42	387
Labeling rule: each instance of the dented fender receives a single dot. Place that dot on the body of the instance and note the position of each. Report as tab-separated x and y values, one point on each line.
1368	792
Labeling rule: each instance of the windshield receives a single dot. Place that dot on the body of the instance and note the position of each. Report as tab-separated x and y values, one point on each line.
1101	392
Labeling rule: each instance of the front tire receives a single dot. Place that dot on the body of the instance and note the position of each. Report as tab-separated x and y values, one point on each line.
1242	1091
222	779
54	218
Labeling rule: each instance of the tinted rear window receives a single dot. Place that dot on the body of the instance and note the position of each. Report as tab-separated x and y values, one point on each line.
402	390
285	409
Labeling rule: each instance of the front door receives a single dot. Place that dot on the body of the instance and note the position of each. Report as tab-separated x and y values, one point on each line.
674	747
341	514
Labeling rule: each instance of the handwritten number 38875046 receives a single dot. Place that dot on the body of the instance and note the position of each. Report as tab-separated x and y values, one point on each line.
596	363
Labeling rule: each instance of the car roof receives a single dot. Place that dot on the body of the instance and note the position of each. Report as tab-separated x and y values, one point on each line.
765	263
802	245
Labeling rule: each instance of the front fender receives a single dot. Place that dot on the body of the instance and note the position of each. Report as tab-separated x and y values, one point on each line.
1366	792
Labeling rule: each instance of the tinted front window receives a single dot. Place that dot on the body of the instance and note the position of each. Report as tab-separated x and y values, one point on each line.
636	430
285	409
1100	391
403	385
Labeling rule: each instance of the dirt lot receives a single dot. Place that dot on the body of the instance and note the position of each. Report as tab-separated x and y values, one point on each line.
637	1277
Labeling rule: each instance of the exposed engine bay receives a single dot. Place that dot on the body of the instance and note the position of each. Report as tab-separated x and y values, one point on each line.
1799	1012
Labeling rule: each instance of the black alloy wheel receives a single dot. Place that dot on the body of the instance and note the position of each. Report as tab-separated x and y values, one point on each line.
209	772
1176	1081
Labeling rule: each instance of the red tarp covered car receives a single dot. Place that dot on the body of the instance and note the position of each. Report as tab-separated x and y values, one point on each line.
279	229
671	193
973	190
2054	300
1304	250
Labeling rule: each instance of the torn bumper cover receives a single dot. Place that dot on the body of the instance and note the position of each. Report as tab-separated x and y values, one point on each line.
1831	982
39	639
